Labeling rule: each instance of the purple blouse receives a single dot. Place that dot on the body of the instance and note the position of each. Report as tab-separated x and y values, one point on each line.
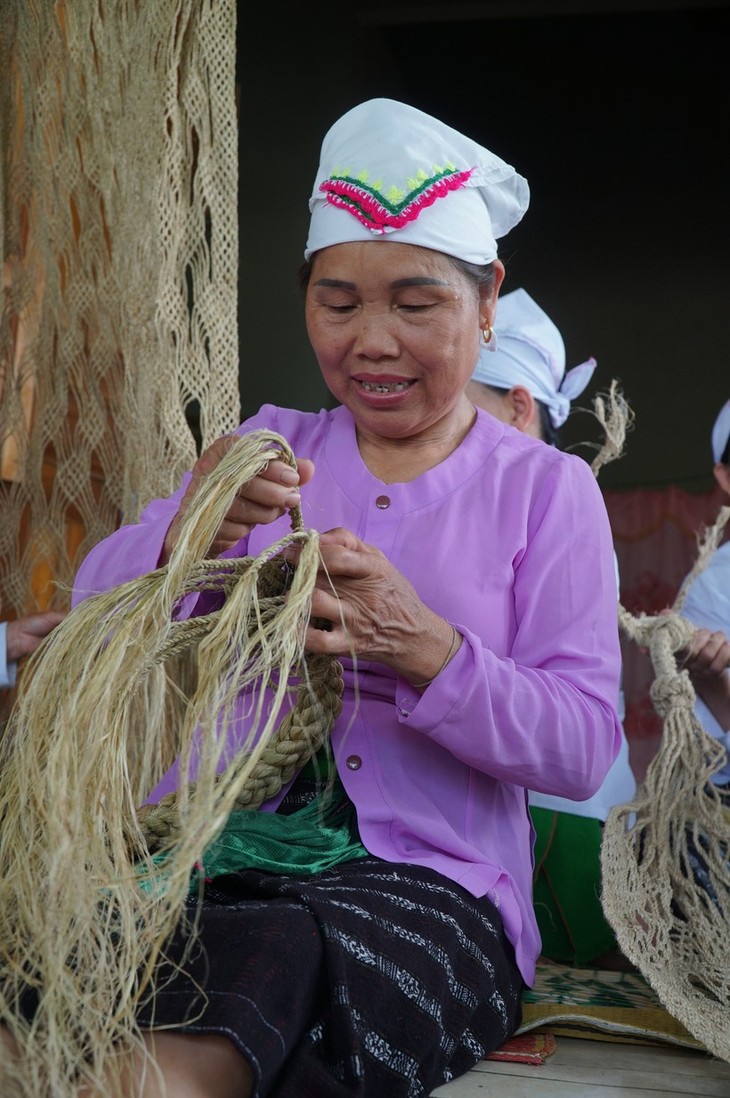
509	540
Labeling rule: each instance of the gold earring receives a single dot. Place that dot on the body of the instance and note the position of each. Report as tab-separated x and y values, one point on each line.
487	332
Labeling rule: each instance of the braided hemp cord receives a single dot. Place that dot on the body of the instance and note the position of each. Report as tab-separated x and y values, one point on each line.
303	729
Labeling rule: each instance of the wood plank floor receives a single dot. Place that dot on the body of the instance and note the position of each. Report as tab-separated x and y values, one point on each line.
582	1068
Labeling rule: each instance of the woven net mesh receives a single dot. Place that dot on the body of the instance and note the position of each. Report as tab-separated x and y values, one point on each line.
665	868
118	330
666	872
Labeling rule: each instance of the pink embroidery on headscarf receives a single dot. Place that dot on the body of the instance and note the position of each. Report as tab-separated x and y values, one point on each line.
373	209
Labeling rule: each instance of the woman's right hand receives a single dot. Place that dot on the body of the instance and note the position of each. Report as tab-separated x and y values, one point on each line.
258	502
707	656
707	659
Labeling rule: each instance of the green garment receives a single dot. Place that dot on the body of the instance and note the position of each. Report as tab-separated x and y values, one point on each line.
567	888
309	839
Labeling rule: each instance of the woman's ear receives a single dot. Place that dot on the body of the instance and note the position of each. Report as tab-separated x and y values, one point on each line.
722	476
488	295
524	411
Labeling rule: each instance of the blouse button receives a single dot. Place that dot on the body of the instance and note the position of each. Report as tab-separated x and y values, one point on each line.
353	762
383	502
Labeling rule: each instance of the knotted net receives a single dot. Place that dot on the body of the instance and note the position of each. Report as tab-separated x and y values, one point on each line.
665	854
118	236
665	868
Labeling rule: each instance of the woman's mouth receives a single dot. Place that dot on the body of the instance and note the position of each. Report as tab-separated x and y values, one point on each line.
384	386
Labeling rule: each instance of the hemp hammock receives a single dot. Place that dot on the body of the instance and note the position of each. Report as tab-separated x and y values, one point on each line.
84	911
665	854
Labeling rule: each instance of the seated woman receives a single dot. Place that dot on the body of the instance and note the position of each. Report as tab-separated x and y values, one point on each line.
707	605
476	664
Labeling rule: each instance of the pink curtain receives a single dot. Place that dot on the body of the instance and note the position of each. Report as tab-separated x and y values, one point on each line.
655	535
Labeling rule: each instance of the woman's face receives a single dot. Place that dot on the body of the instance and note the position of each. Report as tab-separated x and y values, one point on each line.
396	331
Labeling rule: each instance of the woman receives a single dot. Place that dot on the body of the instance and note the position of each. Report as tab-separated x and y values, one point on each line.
525	384
707	605
483	666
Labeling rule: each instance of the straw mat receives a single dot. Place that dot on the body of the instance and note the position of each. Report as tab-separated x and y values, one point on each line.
599	1005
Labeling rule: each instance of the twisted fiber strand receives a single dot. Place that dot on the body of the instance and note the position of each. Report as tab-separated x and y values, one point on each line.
301	732
299	736
616	417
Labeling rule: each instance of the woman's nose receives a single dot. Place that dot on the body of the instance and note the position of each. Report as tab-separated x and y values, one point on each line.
375	336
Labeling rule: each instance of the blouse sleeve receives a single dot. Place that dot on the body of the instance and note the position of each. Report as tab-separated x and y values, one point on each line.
7	667
544	715
131	551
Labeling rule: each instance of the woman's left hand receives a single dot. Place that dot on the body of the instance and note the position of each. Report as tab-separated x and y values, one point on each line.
374	611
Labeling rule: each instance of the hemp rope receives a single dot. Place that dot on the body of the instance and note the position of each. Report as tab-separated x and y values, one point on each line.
85	909
301	732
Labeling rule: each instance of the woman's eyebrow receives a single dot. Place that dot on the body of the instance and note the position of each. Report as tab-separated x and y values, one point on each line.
399	284
419	281
337	283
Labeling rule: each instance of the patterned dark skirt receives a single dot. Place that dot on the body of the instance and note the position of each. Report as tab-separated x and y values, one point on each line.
370	978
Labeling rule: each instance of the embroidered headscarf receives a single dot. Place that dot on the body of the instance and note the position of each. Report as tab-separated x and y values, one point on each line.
527	349
721	432
390	171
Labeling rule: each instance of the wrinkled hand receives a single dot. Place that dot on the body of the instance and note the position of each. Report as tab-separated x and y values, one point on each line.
24	635
262	500
708	655
374	611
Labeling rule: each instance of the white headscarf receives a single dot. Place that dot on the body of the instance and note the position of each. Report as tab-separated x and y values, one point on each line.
527	349
387	169
721	432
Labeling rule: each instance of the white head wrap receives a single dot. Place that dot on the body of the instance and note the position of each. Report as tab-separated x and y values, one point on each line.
527	349
721	432
387	169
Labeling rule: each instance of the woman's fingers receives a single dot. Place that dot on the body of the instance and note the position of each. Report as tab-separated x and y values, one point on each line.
709	654
260	501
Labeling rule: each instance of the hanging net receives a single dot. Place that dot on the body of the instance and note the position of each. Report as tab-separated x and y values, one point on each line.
118	235
665	854
665	867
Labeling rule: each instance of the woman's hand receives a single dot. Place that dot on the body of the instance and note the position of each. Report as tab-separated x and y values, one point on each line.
375	612
707	656
262	500
707	660
24	635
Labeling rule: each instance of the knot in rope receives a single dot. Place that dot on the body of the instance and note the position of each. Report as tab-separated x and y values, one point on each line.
673	691
672	632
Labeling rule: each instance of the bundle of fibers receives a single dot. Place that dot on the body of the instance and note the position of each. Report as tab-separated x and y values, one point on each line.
665	854
90	886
